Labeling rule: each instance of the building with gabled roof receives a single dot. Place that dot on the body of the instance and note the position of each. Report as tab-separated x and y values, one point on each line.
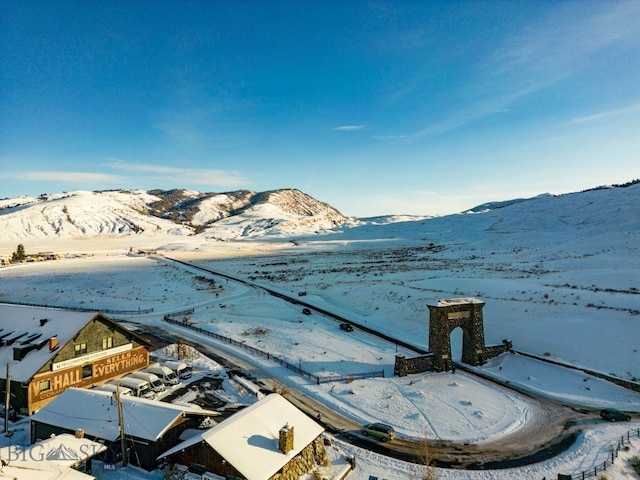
150	426
49	350
268	439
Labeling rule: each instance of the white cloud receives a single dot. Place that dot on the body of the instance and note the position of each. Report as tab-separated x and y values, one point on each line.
348	128
602	115
184	176
542	53
71	177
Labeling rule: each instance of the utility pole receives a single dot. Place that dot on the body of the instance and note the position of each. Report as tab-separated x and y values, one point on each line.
7	398
121	425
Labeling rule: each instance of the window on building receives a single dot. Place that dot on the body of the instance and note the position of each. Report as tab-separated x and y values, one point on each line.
80	348
107	343
44	385
87	371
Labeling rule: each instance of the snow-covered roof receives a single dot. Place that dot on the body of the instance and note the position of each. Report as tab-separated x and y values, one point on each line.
457	301
28	324
253	433
51	458
9	472
95	411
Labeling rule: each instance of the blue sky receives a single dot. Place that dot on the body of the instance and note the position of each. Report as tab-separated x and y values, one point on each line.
373	107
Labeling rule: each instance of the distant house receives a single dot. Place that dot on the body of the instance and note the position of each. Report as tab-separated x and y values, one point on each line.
61	456
150	427
49	350
47	256
267	440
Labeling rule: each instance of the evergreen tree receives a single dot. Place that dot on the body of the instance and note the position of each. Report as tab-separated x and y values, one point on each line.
19	254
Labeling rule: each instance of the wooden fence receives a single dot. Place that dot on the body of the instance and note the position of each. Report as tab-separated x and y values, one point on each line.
274	358
602	467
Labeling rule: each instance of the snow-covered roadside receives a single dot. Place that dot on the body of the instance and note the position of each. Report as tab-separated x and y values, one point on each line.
591	449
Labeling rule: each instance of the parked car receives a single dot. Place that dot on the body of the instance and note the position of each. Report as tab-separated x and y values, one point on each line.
306	311
379	431
347	327
614	415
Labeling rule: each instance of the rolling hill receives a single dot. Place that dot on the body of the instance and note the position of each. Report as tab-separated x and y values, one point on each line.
221	216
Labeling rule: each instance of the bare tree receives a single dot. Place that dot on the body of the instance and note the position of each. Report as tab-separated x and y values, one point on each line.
425	458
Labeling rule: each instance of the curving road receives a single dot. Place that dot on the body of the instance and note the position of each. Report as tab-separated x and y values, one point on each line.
551	429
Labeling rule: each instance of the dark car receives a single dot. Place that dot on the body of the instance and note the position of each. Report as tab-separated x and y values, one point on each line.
346	327
613	415
306	311
379	431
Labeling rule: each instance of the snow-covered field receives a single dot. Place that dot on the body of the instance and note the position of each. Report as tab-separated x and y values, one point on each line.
560	279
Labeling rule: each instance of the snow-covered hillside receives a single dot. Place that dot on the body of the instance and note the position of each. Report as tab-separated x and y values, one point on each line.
559	275
223	216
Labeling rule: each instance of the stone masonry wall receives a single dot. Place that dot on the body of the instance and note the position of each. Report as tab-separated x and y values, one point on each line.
305	462
406	366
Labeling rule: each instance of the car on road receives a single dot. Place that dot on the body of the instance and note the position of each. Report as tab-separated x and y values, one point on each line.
346	327
614	415
379	431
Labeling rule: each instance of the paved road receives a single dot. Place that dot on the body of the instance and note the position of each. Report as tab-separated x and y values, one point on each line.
550	430
300	302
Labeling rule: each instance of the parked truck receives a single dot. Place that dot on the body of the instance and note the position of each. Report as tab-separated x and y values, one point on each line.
165	374
138	387
110	387
156	384
181	369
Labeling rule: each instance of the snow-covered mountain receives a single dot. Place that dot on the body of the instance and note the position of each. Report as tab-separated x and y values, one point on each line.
290	213
84	214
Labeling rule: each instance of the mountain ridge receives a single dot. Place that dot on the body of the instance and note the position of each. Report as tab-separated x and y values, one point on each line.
179	212
282	213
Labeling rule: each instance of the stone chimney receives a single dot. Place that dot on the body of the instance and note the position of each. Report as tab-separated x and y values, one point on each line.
285	440
53	343
79	433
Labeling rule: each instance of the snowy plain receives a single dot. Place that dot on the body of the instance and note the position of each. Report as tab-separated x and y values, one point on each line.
559	275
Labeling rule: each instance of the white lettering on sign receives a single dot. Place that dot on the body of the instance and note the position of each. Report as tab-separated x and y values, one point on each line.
90	357
119	363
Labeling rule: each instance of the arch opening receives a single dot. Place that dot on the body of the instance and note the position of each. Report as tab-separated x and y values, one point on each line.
457	337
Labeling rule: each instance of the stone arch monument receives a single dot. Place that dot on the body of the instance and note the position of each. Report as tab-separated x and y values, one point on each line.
447	315
444	317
